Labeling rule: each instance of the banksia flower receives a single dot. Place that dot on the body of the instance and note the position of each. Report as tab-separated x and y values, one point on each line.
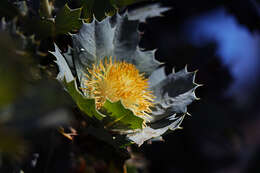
109	76
119	81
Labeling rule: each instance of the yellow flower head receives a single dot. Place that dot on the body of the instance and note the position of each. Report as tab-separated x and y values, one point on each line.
160	102
119	81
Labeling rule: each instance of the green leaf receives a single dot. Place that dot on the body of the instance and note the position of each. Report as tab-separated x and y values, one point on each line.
85	105
121	116
67	20
118	114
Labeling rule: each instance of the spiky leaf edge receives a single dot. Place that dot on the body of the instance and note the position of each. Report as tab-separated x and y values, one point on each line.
116	110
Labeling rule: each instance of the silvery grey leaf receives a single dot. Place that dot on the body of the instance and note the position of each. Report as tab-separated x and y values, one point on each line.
68	57
157	76
173	94
149	11
126	37
64	70
148	132
118	38
144	61
93	42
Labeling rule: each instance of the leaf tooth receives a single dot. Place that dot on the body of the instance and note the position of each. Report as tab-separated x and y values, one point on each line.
65	72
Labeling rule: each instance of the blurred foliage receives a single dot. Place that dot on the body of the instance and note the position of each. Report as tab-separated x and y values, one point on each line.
7	9
101	8
13	146
11	71
66	20
33	106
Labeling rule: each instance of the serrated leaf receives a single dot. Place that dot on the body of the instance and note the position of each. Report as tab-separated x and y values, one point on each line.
148	132
118	38
64	70
148	11
118	114
85	105
67	20
121	116
173	93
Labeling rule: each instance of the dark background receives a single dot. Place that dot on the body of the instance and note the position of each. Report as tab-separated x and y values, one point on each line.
223	133
220	39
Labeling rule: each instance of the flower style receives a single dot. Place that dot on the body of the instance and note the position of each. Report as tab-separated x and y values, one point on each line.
123	82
